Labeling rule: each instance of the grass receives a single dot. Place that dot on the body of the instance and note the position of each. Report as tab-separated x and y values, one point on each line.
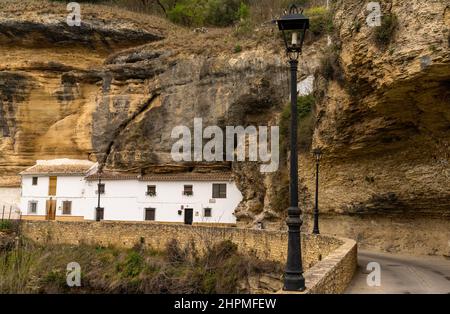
5	225
32	268
237	48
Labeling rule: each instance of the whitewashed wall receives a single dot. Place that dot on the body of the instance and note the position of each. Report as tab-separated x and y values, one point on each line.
126	200
10	197
69	188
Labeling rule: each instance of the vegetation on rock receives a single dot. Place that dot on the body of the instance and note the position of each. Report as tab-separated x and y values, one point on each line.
384	33
305	106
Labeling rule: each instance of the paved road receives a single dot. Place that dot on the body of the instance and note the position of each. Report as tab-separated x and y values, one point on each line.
403	274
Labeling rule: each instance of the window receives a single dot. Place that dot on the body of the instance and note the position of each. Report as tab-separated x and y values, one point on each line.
207	212
101	188
150	214
32	207
188	190
151	190
35	181
67	208
219	191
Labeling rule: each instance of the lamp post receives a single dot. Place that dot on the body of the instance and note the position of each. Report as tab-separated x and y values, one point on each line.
295	25
317	155
99	192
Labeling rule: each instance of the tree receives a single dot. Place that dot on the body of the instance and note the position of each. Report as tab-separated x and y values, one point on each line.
145	3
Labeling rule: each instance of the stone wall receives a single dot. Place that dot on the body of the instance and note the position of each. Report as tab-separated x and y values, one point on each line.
334	273
405	234
321	254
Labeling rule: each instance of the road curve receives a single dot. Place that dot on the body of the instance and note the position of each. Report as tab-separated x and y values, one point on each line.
402	274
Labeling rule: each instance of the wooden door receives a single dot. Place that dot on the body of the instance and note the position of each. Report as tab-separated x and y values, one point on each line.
188	216
52	186
51	210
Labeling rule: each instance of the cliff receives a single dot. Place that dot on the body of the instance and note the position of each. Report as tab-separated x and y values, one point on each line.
386	126
113	89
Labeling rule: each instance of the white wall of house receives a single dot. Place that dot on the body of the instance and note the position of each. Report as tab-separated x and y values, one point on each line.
68	188
10	197
126	200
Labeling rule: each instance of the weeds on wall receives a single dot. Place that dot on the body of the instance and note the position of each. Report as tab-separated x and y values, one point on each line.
330	65
384	34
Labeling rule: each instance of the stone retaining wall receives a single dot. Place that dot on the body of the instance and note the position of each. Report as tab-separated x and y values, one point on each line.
320	253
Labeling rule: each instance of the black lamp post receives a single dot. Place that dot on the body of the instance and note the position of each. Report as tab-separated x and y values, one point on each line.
317	155
294	24
99	192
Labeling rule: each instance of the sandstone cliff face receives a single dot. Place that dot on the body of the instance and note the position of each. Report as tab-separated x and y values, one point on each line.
386	129
113	90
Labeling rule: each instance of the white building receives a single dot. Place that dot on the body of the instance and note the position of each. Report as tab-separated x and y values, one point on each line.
68	190
9	196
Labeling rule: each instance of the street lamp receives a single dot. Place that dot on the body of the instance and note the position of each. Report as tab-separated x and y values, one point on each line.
100	189
318	156
296	24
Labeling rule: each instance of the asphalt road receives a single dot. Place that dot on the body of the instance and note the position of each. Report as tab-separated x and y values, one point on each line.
402	274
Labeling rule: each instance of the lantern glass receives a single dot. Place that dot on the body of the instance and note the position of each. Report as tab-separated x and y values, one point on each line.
297	24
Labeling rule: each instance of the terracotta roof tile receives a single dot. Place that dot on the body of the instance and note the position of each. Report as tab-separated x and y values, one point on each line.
58	169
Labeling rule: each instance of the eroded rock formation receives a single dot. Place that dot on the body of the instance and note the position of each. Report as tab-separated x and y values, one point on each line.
113	90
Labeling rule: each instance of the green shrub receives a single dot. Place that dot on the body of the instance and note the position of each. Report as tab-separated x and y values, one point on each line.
208	12
320	21
5	225
383	34
187	14
223	12
237	48
132	266
330	65
33	268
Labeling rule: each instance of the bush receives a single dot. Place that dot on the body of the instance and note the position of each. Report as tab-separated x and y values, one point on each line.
330	66
32	268
224	12
320	21
185	14
5	225
208	12
237	48
383	34
132	266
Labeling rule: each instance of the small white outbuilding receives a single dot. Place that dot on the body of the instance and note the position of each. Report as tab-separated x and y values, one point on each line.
73	190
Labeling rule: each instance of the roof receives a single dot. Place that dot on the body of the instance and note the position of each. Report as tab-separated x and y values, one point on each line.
10	181
185	176
59	166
